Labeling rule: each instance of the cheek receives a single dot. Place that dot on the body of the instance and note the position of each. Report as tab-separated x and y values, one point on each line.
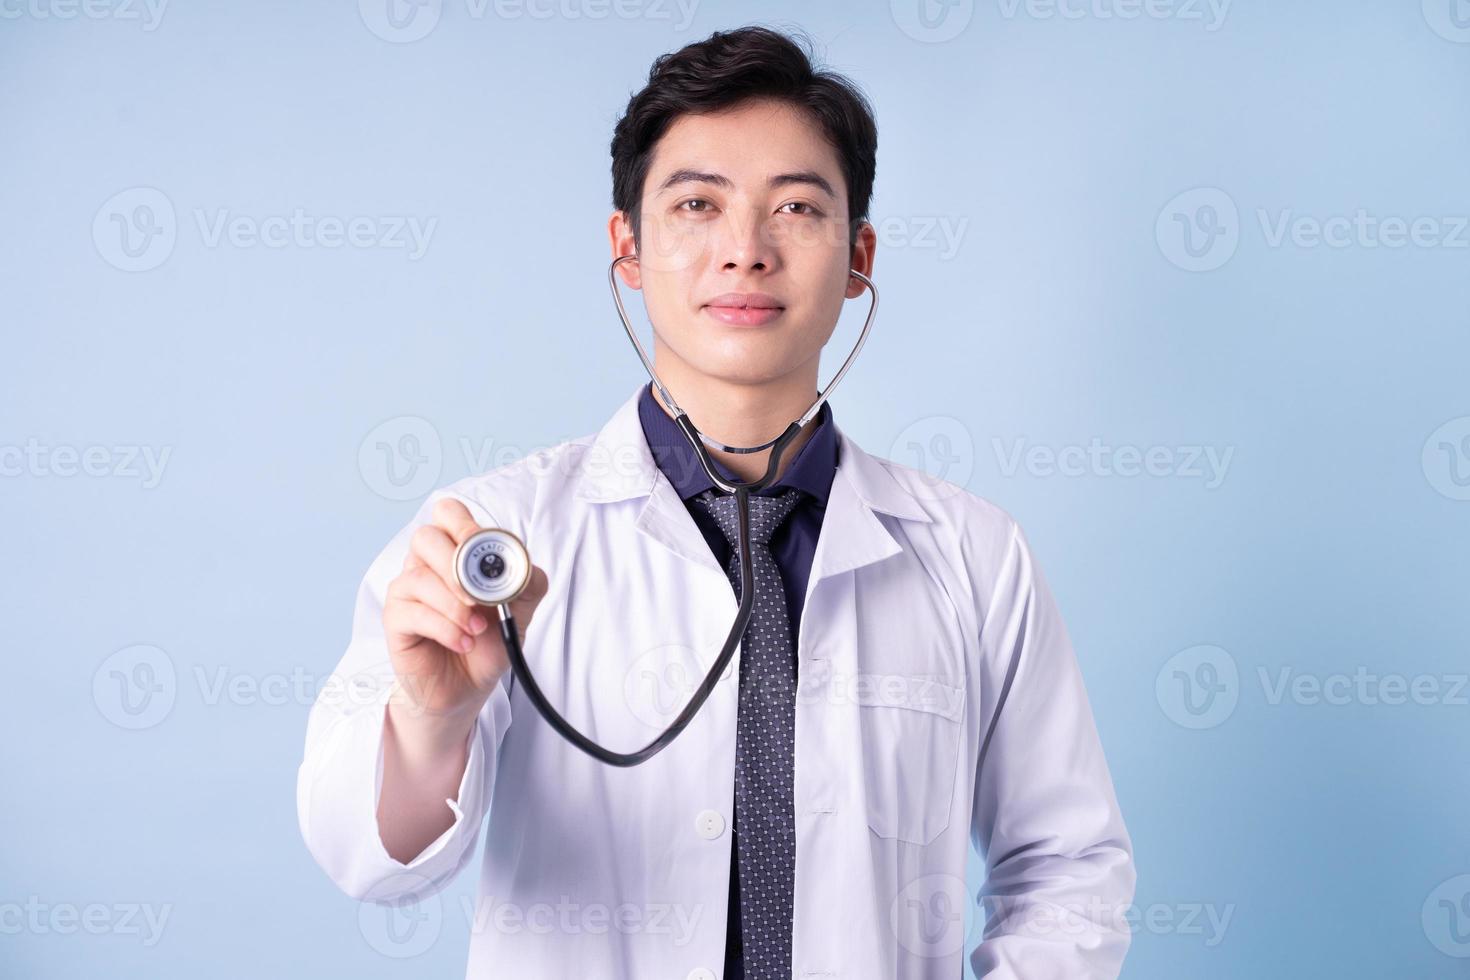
671	247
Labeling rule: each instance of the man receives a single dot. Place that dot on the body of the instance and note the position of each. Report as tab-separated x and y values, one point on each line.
906	687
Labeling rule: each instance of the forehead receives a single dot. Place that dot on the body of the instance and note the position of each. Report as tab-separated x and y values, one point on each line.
745	143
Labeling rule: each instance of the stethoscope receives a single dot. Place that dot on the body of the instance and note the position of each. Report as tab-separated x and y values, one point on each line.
493	565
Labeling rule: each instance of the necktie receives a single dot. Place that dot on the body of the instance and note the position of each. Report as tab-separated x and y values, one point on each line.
764	740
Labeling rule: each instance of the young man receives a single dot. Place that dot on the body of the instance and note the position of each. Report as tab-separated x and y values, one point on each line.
907	686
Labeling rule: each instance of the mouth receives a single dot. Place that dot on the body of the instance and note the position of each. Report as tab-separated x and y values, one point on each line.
744	309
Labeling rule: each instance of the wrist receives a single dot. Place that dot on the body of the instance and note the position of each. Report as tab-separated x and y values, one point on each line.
431	732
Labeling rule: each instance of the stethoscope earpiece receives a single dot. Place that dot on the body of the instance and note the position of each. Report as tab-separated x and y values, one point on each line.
492	566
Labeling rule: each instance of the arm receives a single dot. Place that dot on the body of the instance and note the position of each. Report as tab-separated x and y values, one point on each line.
1060	873
439	771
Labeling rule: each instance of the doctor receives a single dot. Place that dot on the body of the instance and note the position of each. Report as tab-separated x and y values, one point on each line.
906	687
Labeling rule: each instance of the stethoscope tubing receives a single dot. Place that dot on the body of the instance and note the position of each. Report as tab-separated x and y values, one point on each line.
510	634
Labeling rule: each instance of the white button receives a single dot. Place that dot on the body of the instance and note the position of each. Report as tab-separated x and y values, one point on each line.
710	825
700	973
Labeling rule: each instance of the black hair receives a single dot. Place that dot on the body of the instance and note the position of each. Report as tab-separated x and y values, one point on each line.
725	70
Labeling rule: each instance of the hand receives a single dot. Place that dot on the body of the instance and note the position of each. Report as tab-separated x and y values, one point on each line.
446	648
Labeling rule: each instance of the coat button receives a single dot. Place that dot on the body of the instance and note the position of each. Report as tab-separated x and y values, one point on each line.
710	825
700	973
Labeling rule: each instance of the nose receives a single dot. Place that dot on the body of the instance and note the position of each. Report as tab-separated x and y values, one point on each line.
746	242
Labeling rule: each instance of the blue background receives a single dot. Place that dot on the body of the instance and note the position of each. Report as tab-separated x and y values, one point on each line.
1051	142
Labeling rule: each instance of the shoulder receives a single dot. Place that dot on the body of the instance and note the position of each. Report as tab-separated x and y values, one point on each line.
954	510
981	540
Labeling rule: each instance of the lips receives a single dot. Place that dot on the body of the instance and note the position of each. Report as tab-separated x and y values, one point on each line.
744	309
758	301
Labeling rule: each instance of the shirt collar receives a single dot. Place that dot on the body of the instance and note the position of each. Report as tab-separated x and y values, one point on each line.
812	469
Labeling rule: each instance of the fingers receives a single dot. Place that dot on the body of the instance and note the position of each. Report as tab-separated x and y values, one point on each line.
455	519
407	618
424	586
433	545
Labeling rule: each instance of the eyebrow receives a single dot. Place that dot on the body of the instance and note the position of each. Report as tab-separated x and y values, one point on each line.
686	176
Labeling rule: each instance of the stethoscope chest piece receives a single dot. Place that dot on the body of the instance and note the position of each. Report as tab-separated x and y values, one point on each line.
492	566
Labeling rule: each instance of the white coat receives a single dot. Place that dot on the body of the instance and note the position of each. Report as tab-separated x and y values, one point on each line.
939	705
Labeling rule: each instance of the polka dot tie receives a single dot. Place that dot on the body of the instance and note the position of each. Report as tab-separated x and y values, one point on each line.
764	739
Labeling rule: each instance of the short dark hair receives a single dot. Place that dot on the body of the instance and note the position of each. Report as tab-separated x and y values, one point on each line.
732	67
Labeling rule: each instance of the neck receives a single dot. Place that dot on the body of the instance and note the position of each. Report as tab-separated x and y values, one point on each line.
743	414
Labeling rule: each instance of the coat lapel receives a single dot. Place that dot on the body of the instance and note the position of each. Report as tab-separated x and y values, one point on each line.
619	466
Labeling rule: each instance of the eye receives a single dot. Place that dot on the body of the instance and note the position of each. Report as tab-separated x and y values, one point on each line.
693	200
810	209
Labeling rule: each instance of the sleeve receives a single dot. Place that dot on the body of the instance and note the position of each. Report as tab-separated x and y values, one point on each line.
1059	862
340	777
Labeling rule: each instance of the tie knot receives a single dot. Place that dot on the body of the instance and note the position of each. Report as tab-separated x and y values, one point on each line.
766	513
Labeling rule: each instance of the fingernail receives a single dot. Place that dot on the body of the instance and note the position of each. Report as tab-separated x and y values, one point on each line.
478	623
467	643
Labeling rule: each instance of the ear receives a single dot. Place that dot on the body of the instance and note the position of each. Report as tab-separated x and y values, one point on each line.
865	244
620	237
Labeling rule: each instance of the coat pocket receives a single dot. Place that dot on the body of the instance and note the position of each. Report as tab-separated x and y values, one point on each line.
911	731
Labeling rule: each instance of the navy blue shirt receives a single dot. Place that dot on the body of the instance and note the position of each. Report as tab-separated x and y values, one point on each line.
792	545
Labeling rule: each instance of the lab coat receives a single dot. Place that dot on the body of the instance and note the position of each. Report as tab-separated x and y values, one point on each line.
939	705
